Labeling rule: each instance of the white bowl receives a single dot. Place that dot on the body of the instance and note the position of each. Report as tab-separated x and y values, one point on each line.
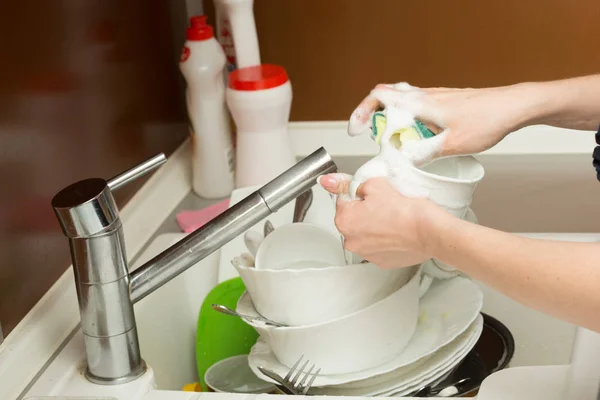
361	340
233	375
299	246
298	297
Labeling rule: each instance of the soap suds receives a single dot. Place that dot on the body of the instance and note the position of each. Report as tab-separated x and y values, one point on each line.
392	162
400	96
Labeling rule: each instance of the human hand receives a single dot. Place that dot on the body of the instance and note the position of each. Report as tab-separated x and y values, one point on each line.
384	227
466	121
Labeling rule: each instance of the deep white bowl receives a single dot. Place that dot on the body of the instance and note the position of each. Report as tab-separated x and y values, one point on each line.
363	339
299	246
299	297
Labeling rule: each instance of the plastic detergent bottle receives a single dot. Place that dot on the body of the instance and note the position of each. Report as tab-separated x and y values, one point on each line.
236	31
260	99
202	64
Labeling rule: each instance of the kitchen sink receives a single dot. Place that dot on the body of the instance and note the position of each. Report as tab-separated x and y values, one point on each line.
167	319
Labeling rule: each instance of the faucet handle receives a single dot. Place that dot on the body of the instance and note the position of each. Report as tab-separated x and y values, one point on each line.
87	207
136	172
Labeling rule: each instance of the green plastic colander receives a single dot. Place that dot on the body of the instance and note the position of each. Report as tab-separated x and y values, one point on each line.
220	336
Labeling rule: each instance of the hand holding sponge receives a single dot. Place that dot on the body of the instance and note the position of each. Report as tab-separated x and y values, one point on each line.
416	132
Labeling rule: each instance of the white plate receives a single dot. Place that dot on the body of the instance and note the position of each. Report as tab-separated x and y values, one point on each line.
445	311
425	365
416	375
432	374
321	212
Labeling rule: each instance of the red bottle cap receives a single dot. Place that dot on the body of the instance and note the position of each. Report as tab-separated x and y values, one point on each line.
259	77
199	29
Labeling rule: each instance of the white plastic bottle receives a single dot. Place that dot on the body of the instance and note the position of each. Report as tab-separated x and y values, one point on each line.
225	36
260	99
202	64
237	32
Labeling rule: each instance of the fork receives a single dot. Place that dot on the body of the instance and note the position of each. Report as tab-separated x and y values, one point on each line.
296	381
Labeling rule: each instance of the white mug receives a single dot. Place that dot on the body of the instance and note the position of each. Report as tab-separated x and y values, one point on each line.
448	182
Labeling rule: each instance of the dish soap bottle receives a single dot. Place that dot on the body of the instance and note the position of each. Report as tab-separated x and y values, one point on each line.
202	64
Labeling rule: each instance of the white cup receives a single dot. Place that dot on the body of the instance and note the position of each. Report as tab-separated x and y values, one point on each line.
299	246
448	182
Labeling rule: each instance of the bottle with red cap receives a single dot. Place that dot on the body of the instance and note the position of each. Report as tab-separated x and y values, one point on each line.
202	64
259	99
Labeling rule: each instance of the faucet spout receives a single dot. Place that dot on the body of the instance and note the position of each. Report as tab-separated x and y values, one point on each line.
197	246
107	290
229	224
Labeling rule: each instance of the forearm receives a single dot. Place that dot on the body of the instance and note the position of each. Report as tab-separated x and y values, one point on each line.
569	103
559	278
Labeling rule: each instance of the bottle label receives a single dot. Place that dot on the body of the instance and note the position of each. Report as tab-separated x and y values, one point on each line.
226	40
185	54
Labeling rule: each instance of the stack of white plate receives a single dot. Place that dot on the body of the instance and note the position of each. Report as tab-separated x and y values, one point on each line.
448	328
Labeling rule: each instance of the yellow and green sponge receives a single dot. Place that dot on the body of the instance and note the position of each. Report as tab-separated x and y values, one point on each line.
416	132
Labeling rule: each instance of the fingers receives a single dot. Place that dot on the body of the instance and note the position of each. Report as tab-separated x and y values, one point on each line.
372	186
360	120
344	187
337	183
420	152
401	96
360	191
415	101
411	101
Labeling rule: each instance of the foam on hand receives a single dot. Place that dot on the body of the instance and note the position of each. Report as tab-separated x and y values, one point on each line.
403	105
403	144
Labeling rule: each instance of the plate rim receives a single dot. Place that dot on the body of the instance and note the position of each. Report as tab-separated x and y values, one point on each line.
333	380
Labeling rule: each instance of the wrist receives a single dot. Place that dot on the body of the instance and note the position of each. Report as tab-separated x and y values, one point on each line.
431	225
537	103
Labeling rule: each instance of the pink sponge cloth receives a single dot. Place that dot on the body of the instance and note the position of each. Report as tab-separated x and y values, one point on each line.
189	221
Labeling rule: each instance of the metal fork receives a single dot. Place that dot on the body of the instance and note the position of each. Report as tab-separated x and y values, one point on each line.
296	379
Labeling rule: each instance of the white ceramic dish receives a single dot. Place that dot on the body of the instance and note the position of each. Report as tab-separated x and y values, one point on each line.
448	182
417	374
232	375
445	311
299	246
321	212
433	374
362	340
316	295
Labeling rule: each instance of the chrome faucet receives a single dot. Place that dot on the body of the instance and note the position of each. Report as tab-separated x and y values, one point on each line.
106	291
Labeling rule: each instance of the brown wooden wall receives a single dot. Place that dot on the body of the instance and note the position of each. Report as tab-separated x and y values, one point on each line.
337	50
